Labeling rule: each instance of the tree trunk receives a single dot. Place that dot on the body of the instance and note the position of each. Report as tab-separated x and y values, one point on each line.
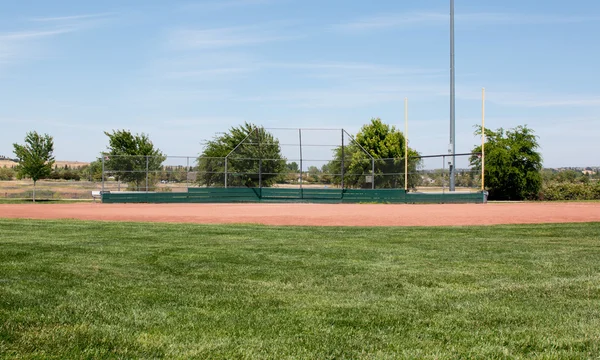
34	191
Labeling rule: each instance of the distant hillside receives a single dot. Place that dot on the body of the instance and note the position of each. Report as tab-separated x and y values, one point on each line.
7	163
58	163
71	164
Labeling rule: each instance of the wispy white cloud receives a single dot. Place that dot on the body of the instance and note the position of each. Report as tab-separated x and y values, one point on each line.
230	64
351	66
32	35
227	37
524	99
545	100
51	122
334	97
15	44
71	18
205	120
412	19
226	4
211	72
532	99
392	21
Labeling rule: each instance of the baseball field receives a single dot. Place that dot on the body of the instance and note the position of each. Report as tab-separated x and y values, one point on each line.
300	281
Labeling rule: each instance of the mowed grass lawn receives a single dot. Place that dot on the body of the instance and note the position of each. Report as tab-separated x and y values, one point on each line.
72	289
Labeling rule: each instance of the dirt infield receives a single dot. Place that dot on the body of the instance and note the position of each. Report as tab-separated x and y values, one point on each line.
314	214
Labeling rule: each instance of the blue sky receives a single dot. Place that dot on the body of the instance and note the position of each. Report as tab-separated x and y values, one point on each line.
182	70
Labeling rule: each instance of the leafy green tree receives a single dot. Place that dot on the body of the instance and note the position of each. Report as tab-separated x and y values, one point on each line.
93	171
314	174
6	173
326	174
513	165
35	157
570	176
133	158
293	166
386	145
254	158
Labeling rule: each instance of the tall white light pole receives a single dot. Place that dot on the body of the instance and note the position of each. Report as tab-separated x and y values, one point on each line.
452	147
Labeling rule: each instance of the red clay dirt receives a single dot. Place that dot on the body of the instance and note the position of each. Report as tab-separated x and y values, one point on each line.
315	214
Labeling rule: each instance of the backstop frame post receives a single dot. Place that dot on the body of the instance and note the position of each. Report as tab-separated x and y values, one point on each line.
225	172
443	173
147	161
406	144
260	173
300	143
372	173
483	139
103	158
343	155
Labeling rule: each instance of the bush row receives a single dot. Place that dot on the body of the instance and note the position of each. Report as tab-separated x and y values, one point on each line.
570	191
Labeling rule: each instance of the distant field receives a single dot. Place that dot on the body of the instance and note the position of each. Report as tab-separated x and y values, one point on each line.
48	189
67	189
71	289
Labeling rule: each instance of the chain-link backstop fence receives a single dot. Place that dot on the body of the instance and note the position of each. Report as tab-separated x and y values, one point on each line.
346	168
275	157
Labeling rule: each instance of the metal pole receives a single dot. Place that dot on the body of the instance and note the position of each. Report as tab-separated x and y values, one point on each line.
406	144
225	172
260	156
260	173
373	173
300	139
483	139
443	173
103	158
187	171
147	157
342	183
452	148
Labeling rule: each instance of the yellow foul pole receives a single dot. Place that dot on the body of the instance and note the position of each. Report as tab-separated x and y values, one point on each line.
406	144
483	139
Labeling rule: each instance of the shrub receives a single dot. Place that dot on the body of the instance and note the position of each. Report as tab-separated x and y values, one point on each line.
570	191
6	173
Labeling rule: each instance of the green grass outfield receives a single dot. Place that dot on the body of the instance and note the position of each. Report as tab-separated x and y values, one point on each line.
72	289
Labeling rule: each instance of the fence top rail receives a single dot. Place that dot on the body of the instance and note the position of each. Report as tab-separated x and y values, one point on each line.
287	159
442	155
303	129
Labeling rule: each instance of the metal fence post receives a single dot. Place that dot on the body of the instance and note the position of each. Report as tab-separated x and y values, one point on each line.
342	183
373	174
443	173
226	172
260	173
300	139
147	160
103	158
187	172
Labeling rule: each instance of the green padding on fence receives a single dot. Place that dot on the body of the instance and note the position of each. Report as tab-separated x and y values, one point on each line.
322	194
145	197
232	195
444	198
277	193
378	196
